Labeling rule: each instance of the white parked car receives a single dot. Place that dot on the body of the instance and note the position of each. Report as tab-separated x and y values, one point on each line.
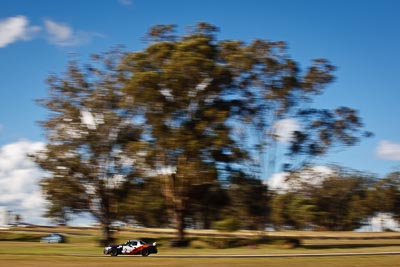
53	238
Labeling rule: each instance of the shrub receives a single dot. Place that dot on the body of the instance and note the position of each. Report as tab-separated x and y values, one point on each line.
230	224
288	242
199	244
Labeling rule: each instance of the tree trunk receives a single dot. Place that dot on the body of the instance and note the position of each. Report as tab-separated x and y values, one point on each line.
105	220
180	223
180	228
206	220
106	237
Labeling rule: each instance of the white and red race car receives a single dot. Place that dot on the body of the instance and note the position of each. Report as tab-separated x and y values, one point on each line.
132	247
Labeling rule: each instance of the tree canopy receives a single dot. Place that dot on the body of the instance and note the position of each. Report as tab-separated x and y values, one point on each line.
189	111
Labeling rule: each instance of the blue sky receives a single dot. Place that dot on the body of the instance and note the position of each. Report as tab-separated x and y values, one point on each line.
361	38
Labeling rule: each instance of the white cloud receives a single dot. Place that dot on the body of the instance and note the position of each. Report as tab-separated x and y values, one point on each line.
63	35
14	29
380	222
19	181
278	182
388	150
313	175
283	129
17	28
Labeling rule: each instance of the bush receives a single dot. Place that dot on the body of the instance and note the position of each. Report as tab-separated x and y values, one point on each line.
288	243
234	242
179	243
107	242
199	244
20	237
230	224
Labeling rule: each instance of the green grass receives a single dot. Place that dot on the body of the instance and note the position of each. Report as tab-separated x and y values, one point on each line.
21	247
58	261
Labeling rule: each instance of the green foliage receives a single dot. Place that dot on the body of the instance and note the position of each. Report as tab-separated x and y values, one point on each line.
20	237
206	203
293	210
339	201
249	199
229	224
188	111
88	140
287	242
144	204
199	244
384	196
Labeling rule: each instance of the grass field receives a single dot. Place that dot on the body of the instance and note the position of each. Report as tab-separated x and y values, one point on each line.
20	247
29	261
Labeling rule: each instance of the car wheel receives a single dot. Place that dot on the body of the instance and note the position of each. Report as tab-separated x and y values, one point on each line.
114	252
145	252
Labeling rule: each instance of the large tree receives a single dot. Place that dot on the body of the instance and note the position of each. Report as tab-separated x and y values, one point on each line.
385	195
179	88
340	201
210	107
188	110
89	135
334	201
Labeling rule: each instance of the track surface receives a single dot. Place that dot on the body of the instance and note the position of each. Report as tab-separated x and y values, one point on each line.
281	255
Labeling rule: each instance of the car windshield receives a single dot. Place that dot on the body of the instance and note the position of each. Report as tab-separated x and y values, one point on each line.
135	242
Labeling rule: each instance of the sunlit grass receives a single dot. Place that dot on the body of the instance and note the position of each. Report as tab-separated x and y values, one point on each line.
369	261
82	249
91	248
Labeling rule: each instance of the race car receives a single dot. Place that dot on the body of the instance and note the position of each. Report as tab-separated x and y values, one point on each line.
132	247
